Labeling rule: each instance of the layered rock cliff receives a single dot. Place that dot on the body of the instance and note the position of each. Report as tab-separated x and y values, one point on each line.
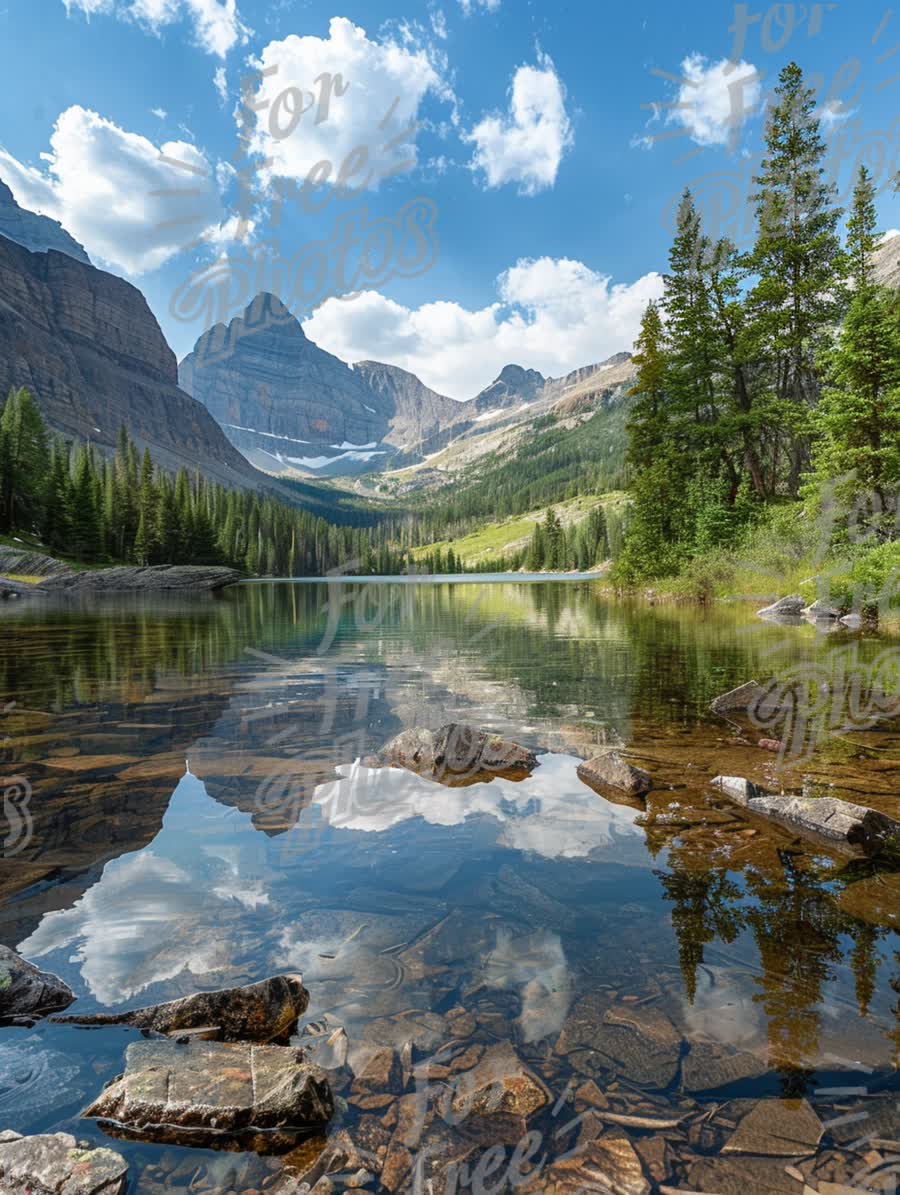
89	349
34	232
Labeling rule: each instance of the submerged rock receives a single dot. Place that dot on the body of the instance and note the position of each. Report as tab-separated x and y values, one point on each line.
56	1164
738	789
499	1083
820	611
709	1065
828	819
611	770
456	754
178	578
261	1012
777	1129
26	993
745	697
222	1095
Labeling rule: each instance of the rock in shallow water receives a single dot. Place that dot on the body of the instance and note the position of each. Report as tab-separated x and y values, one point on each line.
260	1012
55	1164
611	770
221	1095
27	993
456	754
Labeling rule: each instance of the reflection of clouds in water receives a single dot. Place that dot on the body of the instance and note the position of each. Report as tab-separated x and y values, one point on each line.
724	1009
134	928
551	813
167	909
536	965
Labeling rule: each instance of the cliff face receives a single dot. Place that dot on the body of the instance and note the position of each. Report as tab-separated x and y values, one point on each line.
417	413
89	349
34	232
277	394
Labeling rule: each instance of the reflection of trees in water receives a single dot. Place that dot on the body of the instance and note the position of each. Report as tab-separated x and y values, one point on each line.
705	908
801	935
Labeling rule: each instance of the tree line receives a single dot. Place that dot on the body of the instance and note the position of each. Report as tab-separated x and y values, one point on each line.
95	509
771	375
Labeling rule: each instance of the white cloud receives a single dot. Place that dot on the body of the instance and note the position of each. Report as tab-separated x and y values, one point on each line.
469	6
715	99
217	23
551	314
834	112
159	113
370	110
220	82
439	23
125	199
527	145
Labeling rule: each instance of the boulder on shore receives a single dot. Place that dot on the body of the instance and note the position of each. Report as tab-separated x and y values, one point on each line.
610	769
26	993
827	819
162	578
56	1163
260	1012
820	611
786	607
217	1094
750	698
456	754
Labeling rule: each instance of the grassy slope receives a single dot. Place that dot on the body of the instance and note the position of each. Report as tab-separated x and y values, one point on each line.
504	538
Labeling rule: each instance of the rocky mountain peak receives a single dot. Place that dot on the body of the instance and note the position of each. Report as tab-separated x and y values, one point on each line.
34	232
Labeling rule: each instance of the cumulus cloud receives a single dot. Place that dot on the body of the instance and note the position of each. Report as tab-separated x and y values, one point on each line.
470	6
526	145
217	23
715	99
362	112
132	204
551	314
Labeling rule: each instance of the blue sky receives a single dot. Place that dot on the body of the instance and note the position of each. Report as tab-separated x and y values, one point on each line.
530	219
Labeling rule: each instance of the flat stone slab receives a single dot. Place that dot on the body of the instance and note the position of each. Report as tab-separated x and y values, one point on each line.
26	993
179	578
826	819
214	1093
55	1164
259	1012
777	1129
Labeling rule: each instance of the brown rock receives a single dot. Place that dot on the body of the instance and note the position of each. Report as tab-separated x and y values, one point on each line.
777	1128
260	1012
741	1176
641	1044
611	770
709	1065
500	1083
457	754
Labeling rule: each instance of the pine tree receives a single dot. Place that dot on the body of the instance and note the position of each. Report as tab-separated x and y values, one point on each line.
24	463
858	456
87	542
798	264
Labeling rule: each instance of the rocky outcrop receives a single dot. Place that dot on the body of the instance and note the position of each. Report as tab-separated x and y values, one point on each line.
26	993
421	420
34	232
55	1164
260	1012
825	819
89	349
456	754
215	1094
512	386
158	578
29	564
611	770
886	263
